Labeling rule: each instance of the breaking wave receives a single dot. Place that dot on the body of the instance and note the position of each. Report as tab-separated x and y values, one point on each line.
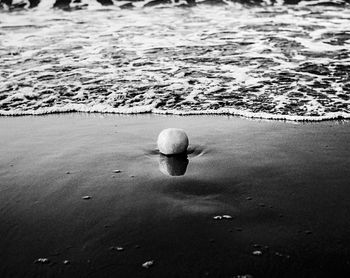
263	61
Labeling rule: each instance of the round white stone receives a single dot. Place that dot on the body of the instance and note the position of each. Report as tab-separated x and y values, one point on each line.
172	141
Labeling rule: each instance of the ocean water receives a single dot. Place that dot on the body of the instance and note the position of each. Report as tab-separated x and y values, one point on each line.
266	61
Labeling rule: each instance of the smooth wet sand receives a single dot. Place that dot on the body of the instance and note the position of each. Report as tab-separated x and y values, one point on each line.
286	185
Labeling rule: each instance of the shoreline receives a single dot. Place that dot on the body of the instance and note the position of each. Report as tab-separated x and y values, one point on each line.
336	116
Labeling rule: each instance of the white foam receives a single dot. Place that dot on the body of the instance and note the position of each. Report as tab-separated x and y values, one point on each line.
46	4
150	109
173	61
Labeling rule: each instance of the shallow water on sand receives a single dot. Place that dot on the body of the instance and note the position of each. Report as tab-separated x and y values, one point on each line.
284	184
287	62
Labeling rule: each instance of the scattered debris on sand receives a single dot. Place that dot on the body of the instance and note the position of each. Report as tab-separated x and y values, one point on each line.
116	248
257	253
278	254
148	264
42	261
220	217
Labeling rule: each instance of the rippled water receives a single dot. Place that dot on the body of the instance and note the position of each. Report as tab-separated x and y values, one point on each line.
282	62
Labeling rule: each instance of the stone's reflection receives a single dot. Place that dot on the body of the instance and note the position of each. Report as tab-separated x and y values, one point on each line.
174	165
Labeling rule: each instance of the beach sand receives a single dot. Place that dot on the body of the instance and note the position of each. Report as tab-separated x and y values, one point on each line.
286	186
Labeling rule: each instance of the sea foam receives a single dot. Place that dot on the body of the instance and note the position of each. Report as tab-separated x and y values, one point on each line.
275	62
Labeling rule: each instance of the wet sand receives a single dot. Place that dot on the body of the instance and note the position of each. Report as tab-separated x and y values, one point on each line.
286	186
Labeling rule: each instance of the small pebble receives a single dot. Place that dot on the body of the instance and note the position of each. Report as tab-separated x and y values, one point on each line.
148	264
239	229
282	255
243	276
261	204
225	216
66	262
42	261
86	197
67	172
117	248
278	254
257	253
117	171
308	232
249	198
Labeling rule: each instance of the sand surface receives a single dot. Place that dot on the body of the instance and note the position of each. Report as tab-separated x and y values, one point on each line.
286	186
